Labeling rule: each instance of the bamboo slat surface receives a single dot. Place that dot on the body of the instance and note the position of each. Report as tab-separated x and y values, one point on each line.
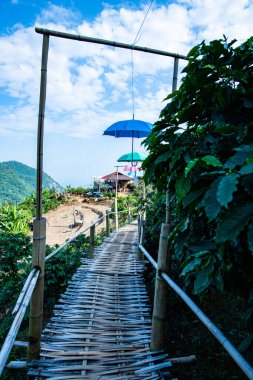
101	326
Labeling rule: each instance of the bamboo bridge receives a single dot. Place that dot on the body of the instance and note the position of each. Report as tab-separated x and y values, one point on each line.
101	328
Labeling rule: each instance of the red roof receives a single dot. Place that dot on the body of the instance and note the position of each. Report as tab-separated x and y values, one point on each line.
114	176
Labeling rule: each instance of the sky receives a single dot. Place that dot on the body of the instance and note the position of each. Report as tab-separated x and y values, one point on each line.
89	86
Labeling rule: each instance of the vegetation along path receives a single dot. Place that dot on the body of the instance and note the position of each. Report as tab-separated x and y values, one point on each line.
101	325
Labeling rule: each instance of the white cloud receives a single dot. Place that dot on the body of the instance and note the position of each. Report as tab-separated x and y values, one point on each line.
232	18
89	86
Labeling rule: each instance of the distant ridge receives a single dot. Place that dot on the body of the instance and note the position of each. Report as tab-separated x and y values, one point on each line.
18	181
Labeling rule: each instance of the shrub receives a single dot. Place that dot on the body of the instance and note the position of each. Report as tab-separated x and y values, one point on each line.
201	149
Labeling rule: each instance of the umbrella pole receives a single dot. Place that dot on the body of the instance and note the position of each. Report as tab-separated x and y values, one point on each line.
132	149
116	200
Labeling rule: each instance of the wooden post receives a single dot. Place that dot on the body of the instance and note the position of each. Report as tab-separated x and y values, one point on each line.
174	87
92	241
41	117
39	224
161	293
139	228
129	215
107	221
141	238
116	213
36	305
143	230
144	200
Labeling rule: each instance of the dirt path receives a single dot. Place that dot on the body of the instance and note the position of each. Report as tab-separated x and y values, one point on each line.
59	221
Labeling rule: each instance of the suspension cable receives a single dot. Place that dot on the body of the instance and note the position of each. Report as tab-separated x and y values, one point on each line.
137	37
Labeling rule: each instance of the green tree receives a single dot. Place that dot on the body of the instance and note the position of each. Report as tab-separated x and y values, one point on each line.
201	149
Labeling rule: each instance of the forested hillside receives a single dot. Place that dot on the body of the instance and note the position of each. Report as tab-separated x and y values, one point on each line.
17	181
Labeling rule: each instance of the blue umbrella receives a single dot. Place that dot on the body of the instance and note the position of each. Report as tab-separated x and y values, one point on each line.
129	128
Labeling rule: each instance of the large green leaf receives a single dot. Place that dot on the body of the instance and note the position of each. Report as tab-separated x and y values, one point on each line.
245	148
226	187
233	222
183	185
211	160
163	157
191	197
190	166
239	158
212	206
202	281
247	169
192	265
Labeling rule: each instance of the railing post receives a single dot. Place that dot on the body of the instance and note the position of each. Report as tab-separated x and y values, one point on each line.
139	228
161	292
107	221
129	215
116	213
141	238
92	241
36	305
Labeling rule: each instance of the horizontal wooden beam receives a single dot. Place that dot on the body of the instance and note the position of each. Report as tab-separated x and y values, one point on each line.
100	41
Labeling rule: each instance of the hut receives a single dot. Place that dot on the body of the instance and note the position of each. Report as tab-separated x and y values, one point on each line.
123	180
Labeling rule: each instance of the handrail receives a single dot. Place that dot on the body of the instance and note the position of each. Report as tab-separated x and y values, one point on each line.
226	344
125	210
73	238
10	339
80	233
26	294
24	290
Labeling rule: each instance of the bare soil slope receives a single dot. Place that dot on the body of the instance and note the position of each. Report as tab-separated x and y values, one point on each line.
59	221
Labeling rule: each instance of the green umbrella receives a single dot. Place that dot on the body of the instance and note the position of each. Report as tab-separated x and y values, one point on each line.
132	157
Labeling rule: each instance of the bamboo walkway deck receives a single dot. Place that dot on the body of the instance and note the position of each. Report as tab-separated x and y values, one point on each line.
101	325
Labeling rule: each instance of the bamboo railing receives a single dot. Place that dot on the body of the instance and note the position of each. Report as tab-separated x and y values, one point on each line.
158	320
30	283
159	301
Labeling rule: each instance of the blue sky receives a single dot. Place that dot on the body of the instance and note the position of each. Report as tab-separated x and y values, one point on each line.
89	86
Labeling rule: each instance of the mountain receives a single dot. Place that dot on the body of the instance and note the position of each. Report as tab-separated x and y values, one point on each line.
18	181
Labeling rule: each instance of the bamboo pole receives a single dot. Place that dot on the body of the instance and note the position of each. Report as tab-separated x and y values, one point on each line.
10	339
52	254
17	365
142	238
174	87
23	291
108	43
36	305
92	241
116	213
39	240
161	293
225	343
107	221
144	200
128	215
139	228
41	116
